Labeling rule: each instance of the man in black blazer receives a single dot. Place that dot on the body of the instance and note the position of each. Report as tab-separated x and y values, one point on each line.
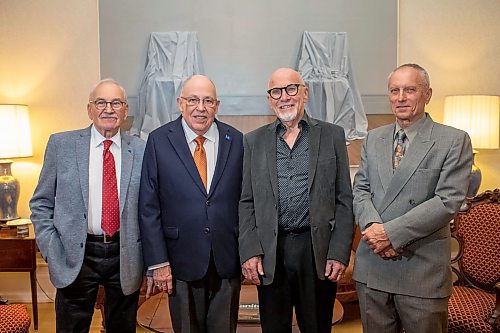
189	214
296	220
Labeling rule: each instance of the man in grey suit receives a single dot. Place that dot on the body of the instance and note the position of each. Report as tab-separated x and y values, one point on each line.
296	220
77	208
411	182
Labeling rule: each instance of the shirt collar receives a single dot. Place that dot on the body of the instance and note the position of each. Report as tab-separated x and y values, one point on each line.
210	135
412	130
303	123
98	138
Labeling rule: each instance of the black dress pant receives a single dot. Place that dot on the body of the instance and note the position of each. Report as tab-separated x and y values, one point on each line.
296	285
75	303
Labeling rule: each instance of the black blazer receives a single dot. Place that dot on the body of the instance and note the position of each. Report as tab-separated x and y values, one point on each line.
330	197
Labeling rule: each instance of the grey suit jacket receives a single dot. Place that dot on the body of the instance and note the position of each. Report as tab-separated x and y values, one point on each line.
59	207
415	205
330	197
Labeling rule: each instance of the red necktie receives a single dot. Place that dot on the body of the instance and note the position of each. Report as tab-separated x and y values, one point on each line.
110	218
200	159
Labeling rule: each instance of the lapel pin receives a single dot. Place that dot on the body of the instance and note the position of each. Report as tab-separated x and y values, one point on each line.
228	138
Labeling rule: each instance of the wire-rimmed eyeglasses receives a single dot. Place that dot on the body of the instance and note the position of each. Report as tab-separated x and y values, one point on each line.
193	101
101	104
291	90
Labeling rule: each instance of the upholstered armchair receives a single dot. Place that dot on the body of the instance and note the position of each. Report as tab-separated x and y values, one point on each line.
475	303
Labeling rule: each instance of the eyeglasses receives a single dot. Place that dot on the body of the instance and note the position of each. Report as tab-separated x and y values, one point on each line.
193	101
291	90
101	104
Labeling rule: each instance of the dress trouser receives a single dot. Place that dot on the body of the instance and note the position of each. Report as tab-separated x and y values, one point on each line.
75	303
391	313
296	285
208	305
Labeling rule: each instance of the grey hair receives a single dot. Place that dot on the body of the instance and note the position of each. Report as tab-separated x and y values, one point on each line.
423	73
108	80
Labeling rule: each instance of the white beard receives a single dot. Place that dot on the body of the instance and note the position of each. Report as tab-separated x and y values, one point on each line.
288	115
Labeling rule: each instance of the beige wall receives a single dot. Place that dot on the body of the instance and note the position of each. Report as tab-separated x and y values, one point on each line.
49	60
458	42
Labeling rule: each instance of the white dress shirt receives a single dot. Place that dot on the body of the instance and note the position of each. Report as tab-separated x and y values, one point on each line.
95	176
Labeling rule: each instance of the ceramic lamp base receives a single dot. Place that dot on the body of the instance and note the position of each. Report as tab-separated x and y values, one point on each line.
9	192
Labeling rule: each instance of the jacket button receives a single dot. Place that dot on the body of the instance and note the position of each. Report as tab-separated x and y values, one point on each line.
207	230
412	202
207	203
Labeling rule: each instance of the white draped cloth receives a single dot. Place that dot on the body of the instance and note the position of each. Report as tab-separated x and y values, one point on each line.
326	68
172	57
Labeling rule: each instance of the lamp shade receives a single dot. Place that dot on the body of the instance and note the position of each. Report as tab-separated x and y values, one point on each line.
15	134
478	115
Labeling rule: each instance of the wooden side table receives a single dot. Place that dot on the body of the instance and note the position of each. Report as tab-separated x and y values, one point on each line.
19	255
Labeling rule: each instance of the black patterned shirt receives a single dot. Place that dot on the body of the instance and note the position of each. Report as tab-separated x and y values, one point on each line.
292	168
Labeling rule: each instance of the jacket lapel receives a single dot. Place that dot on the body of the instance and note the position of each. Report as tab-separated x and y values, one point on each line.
178	140
225	141
384	148
314	140
82	150
271	157
126	172
414	156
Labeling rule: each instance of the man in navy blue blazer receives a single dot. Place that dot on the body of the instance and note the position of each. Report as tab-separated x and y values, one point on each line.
189	216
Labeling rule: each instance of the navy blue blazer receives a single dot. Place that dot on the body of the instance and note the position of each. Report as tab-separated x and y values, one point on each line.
180	222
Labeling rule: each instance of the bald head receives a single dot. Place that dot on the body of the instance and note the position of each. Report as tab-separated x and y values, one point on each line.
285	73
198	103
199	80
287	95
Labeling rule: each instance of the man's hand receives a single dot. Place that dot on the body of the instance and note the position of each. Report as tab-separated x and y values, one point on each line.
376	238
389	253
252	269
161	280
334	270
150	286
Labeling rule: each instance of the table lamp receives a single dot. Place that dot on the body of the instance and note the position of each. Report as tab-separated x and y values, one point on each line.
15	141
478	115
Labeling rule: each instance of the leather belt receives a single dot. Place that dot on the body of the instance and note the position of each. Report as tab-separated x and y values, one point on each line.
106	239
294	231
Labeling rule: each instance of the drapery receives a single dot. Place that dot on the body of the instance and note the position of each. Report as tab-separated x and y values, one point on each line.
172	57
334	97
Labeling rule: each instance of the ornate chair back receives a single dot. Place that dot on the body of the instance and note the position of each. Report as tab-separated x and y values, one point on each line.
477	229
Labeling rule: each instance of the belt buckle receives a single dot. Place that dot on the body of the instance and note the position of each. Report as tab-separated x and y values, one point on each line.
106	239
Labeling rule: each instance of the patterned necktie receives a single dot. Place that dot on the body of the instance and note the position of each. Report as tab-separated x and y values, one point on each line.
110	218
200	159
399	152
